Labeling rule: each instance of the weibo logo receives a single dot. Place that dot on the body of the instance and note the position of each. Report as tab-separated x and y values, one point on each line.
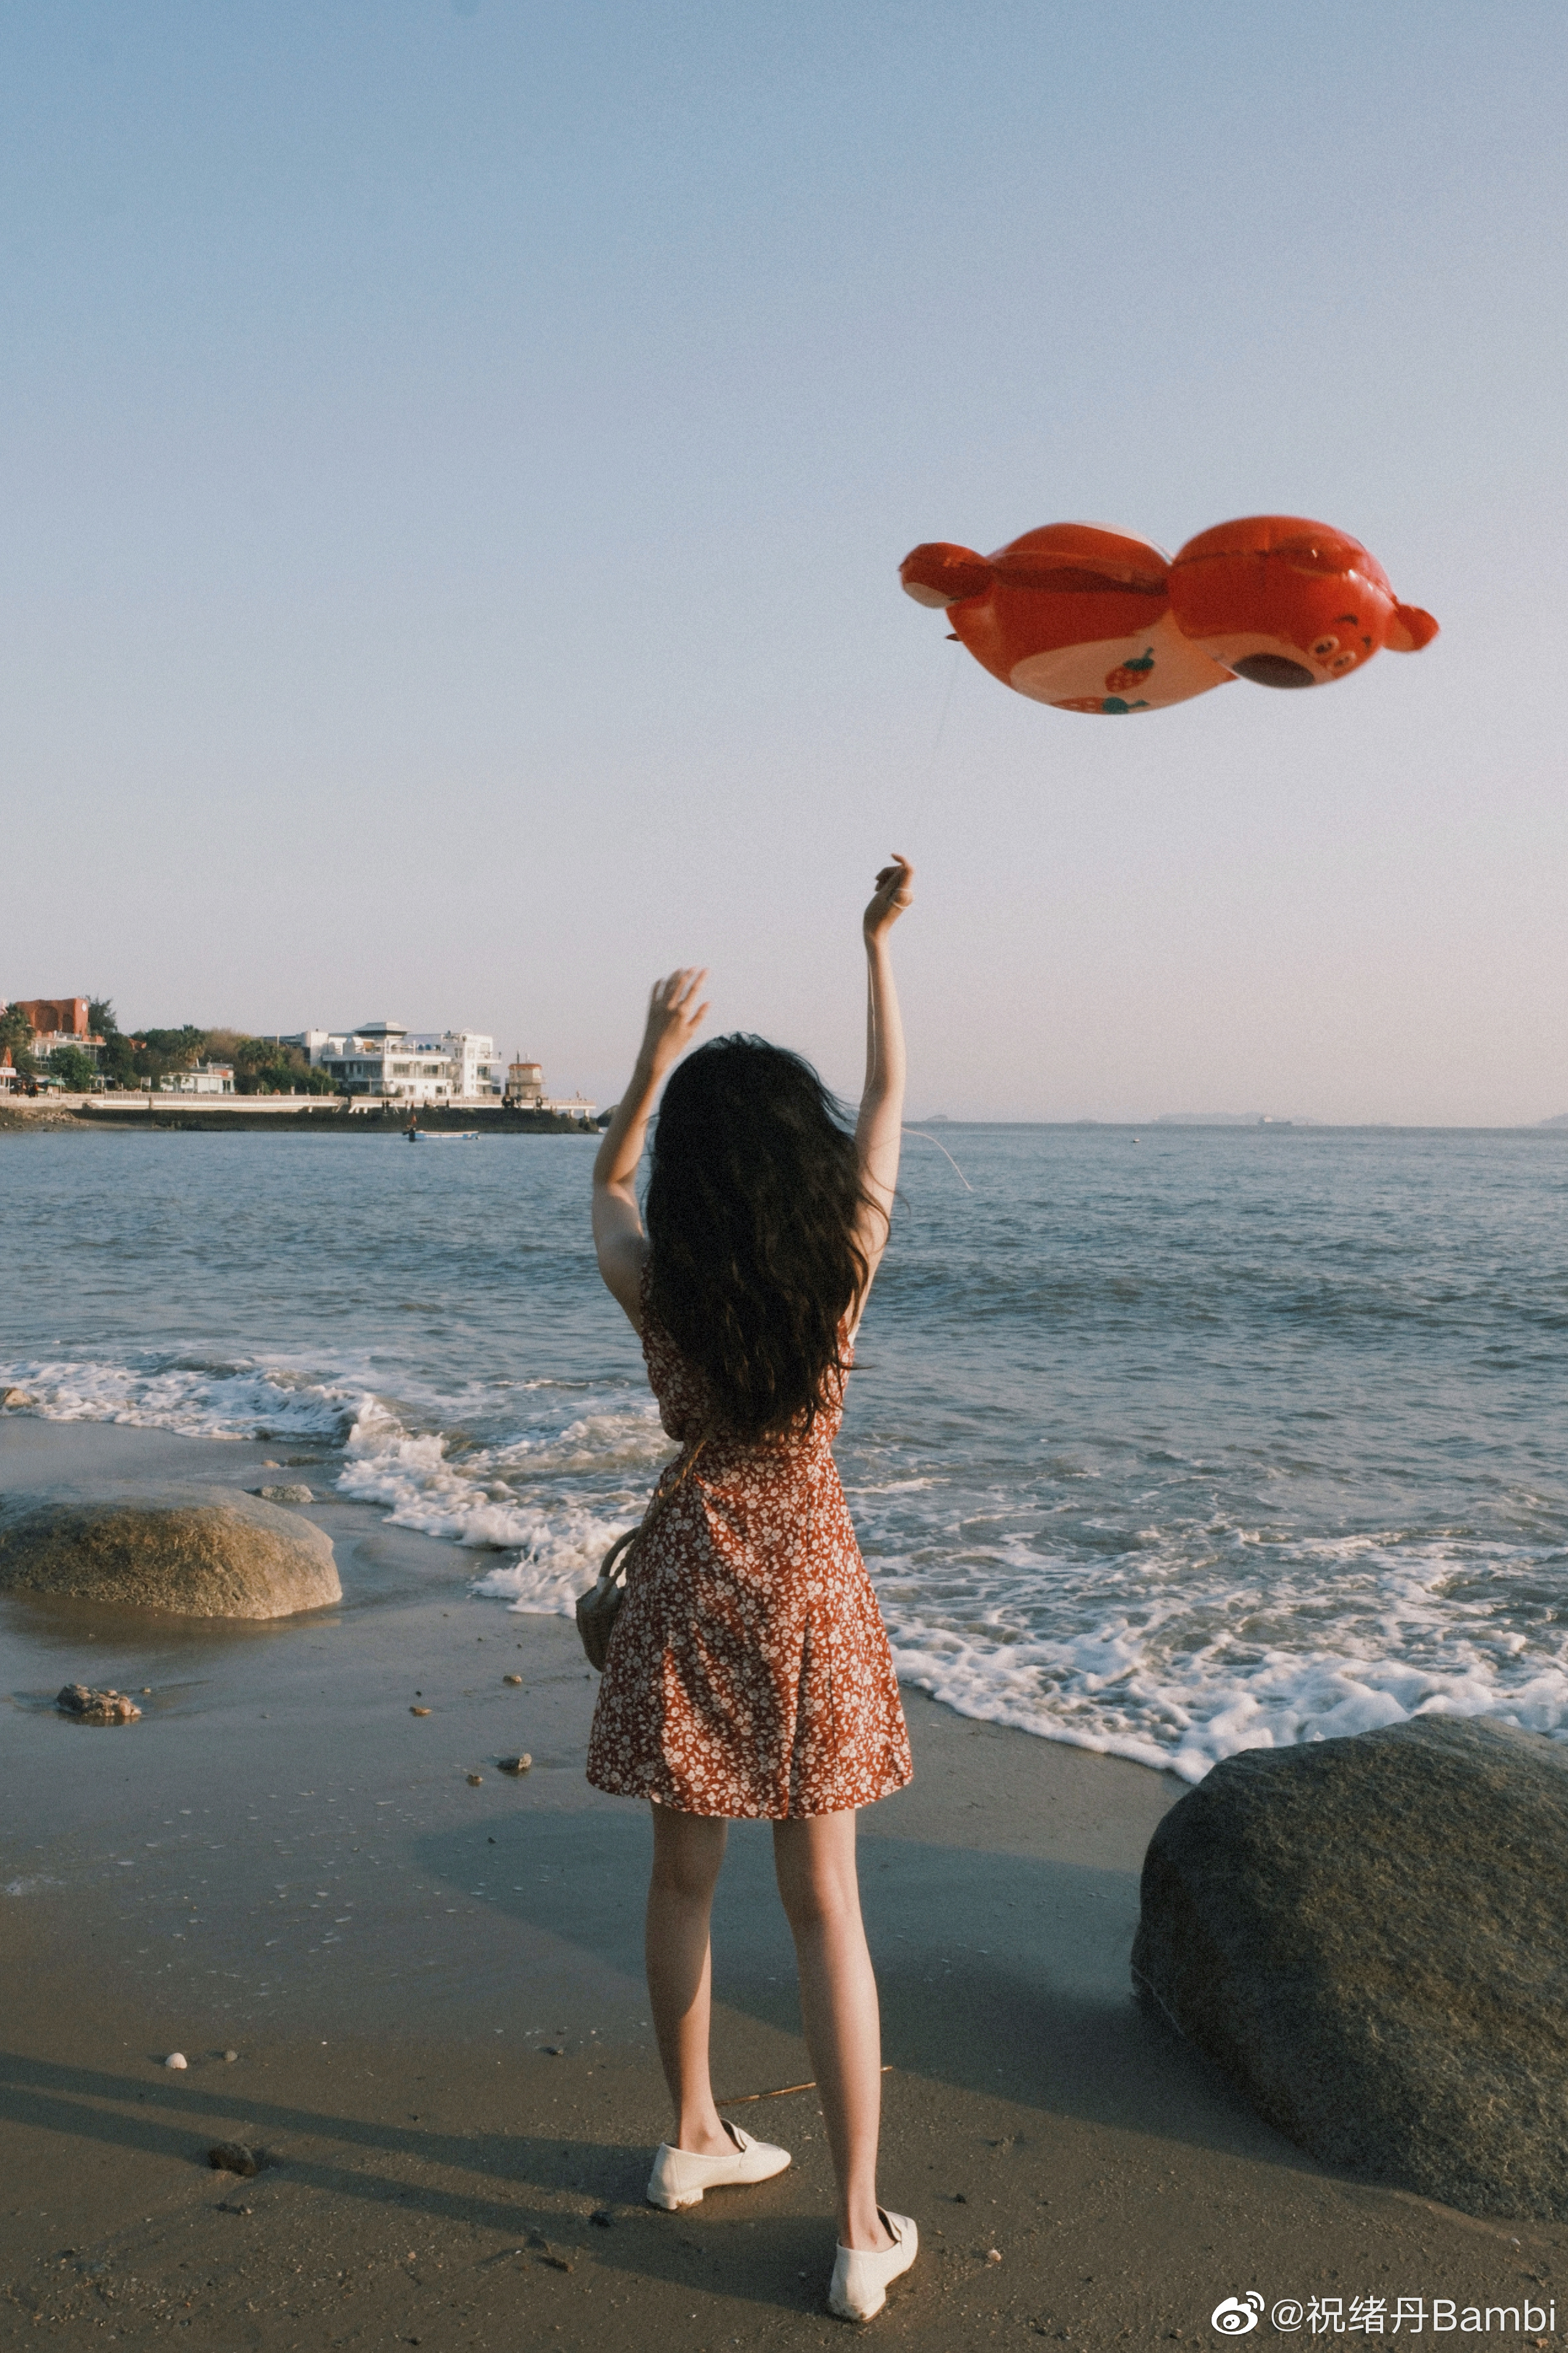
1236	2314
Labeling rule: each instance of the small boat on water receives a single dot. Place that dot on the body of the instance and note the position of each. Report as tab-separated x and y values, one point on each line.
442	1135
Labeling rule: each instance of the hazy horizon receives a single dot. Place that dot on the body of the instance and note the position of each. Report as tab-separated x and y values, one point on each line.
459	458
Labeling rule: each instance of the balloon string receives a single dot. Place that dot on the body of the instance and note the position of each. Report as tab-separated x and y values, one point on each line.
944	1153
924	802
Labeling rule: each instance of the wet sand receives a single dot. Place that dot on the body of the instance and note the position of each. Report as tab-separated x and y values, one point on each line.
434	1992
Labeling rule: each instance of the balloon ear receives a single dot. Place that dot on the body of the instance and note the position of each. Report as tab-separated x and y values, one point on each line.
1410	630
938	574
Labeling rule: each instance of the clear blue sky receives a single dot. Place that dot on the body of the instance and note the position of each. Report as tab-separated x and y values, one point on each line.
457	457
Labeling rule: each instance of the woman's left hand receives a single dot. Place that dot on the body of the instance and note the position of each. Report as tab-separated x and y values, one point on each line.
894	892
674	1016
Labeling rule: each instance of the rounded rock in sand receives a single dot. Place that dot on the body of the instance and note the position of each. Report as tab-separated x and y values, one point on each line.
185	1551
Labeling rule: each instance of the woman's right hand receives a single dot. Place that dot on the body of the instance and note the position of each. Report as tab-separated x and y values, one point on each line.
894	892
674	1018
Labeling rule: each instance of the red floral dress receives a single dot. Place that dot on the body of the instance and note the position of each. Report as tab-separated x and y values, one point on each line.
749	1672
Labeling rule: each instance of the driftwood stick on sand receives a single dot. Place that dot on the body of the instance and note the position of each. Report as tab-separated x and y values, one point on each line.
745	2099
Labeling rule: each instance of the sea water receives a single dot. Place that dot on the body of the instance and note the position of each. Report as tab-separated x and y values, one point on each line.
1165	1441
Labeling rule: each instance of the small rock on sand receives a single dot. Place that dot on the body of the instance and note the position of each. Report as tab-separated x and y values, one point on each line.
293	1493
418	1711
514	1764
176	2059
511	1679
14	1398
232	2056
475	1779
233	2157
89	1707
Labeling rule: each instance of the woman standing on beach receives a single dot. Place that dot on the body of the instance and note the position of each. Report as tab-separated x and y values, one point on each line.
749	1674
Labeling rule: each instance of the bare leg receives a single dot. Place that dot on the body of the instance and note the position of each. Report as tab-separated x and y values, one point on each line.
814	1858
687	1852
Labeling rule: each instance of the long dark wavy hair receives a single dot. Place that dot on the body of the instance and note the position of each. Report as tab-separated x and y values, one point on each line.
750	1212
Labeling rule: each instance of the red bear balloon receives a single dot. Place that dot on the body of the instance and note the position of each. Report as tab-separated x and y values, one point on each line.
1091	620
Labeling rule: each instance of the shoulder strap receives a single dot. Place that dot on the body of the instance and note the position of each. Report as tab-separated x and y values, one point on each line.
612	1567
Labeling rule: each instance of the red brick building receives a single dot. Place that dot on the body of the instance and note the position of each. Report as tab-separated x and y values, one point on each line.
59	1017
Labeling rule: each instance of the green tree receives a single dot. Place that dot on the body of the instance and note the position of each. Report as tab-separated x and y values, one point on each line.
157	1053
117	1055
16	1031
264	1066
74	1069
117	1060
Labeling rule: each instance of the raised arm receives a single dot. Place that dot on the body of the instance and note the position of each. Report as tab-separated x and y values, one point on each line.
879	1129
673	1015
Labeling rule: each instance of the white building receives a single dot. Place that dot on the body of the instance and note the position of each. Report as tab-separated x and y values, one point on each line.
384	1059
206	1078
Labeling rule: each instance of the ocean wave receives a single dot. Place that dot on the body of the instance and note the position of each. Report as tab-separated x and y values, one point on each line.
223	1400
557	1496
1115	1599
1180	1665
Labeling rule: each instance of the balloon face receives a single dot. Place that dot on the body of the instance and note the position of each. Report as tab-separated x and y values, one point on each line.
1286	602
1072	615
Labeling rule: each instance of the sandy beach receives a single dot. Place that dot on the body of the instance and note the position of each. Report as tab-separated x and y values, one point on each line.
433	1991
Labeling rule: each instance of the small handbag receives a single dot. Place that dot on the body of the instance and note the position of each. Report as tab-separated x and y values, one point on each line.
600	1607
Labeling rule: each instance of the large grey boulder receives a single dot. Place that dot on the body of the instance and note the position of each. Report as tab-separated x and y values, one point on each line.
1367	1936
194	1552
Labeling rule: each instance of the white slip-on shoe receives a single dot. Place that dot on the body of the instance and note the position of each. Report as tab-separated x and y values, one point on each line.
679	2179
860	2279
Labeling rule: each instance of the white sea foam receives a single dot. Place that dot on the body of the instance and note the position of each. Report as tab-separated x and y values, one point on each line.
261	1399
1180	1666
557	1497
1178	1642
